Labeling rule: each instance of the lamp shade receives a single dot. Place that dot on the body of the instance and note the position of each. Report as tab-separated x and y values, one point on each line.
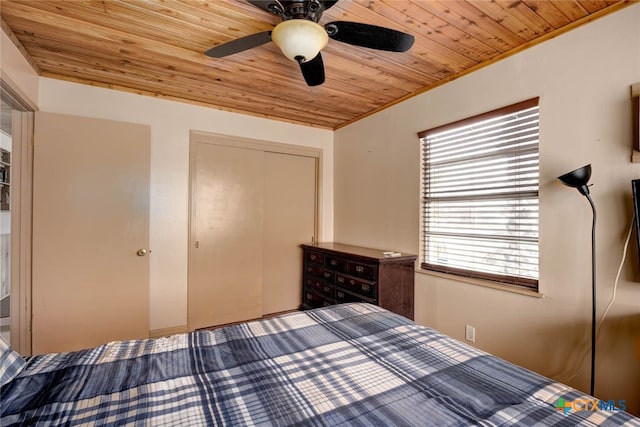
578	179
299	39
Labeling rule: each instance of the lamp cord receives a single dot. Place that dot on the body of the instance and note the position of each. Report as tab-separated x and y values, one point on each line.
615	284
593	295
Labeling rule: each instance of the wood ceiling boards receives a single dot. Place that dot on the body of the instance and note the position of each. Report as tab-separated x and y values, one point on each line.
156	47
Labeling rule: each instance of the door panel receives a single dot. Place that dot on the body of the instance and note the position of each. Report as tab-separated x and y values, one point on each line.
225	269
289	220
90	216
252	204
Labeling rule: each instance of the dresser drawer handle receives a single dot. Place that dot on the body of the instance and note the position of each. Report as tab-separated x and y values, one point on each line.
366	288
334	262
353	282
340	294
359	269
312	257
341	279
327	275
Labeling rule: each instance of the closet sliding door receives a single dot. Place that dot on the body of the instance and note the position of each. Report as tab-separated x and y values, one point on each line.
289	212
225	254
252	205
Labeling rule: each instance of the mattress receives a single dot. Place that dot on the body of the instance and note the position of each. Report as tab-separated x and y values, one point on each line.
350	364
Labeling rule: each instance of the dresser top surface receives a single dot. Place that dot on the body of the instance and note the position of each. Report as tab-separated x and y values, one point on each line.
377	254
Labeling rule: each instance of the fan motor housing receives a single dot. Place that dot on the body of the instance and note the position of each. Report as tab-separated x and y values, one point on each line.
297	9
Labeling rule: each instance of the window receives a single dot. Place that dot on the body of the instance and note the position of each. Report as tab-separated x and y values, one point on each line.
480	196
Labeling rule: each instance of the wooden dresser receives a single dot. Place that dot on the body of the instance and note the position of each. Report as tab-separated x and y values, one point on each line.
334	273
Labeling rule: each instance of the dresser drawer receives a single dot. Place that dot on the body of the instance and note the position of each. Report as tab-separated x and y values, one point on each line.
342	296
336	264
364	271
314	283
329	291
319	272
367	289
314	257
314	300
320	287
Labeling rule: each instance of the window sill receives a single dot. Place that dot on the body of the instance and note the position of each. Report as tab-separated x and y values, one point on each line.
483	283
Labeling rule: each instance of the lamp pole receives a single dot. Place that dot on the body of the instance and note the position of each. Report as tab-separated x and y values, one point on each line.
593	293
578	179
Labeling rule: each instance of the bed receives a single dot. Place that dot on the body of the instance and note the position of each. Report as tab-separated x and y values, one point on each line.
350	364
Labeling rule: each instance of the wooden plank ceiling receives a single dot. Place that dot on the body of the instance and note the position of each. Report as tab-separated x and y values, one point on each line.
156	47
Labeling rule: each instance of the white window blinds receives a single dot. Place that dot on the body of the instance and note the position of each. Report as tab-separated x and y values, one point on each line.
480	196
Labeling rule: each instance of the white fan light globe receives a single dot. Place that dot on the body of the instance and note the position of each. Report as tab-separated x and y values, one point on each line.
299	37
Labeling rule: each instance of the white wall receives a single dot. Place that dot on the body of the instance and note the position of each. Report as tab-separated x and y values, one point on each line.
170	125
5	141
583	79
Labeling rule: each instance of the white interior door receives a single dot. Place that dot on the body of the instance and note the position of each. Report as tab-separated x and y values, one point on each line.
225	254
90	218
289	220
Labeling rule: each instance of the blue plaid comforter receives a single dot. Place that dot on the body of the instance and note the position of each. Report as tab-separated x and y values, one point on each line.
352	364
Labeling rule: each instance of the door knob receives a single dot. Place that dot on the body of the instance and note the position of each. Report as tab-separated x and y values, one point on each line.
141	252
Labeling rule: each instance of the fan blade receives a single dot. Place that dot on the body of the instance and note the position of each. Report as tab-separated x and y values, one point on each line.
313	71
370	36
328	3
239	45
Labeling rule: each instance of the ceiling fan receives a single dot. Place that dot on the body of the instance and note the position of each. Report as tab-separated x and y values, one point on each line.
301	38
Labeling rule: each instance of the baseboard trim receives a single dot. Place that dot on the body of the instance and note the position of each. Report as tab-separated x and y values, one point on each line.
164	332
263	317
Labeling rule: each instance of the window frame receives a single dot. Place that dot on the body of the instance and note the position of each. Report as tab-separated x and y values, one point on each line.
503	279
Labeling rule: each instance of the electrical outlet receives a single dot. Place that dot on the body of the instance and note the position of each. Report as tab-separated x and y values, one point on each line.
470	333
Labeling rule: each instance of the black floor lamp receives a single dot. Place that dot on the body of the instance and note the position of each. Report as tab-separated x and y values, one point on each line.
579	179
